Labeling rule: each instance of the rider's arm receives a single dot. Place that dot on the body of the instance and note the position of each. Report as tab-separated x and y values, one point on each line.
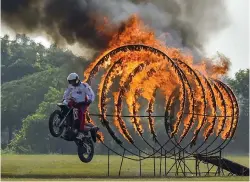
88	90
66	94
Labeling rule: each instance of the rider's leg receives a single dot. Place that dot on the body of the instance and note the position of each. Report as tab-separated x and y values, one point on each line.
82	118
76	125
93	130
84	126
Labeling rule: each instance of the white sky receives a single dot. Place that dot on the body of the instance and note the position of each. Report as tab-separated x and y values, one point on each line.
233	42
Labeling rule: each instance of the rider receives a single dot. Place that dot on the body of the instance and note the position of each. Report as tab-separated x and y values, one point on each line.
79	95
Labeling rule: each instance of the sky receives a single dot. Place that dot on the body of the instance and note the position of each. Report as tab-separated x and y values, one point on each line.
233	41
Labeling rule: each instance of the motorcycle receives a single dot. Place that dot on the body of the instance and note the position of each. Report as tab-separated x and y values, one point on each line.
61	124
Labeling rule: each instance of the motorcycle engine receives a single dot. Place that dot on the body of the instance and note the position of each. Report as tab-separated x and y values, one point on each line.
69	135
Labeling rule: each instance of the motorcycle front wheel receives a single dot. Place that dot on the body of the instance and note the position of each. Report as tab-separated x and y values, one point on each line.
54	121
86	151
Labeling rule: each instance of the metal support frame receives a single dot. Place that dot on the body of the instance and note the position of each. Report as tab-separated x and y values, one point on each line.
160	162
122	162
108	161
140	161
165	163
178	153
180	165
154	162
218	169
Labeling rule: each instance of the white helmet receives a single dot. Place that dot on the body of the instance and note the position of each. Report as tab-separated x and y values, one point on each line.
73	79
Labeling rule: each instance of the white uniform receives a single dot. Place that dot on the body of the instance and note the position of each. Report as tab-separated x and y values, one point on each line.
80	93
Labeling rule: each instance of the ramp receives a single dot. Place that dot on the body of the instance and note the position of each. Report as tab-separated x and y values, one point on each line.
225	164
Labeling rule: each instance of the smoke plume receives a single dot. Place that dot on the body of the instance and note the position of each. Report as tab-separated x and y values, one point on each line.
181	23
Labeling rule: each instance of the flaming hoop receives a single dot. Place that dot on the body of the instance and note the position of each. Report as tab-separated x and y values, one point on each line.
200	113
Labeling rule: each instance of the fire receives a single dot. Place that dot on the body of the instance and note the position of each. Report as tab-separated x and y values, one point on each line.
229	105
141	72
222	108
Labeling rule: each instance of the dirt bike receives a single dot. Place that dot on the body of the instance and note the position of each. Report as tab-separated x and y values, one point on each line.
61	124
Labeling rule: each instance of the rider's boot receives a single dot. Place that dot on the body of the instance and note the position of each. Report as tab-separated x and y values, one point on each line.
80	135
93	132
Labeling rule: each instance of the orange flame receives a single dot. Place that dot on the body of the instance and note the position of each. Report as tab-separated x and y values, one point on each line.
165	77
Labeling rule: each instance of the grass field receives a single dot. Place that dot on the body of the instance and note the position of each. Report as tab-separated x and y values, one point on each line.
69	167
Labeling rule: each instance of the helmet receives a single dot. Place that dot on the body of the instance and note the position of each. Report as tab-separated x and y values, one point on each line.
73	79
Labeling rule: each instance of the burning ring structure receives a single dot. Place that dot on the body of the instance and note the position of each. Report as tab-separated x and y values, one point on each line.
199	114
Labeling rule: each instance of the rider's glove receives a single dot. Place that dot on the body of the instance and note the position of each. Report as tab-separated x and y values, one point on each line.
71	103
88	102
65	102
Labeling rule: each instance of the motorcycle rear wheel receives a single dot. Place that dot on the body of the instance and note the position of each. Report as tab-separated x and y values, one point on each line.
55	115
89	151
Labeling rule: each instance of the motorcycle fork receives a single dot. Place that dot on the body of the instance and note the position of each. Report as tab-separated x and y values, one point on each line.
62	122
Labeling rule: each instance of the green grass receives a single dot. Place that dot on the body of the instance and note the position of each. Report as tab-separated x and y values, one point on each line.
69	167
132	179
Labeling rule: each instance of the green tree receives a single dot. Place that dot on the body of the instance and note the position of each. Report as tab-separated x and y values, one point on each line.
21	97
34	135
22	56
240	86
28	70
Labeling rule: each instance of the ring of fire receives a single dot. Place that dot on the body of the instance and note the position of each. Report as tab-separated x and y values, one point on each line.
198	111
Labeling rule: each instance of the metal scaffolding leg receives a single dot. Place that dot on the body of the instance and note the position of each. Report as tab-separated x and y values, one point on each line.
121	162
196	166
219	167
165	163
154	163
160	161
184	163
108	161
140	161
176	164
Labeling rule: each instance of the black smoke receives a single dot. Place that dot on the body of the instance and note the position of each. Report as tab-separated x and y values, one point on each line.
190	23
